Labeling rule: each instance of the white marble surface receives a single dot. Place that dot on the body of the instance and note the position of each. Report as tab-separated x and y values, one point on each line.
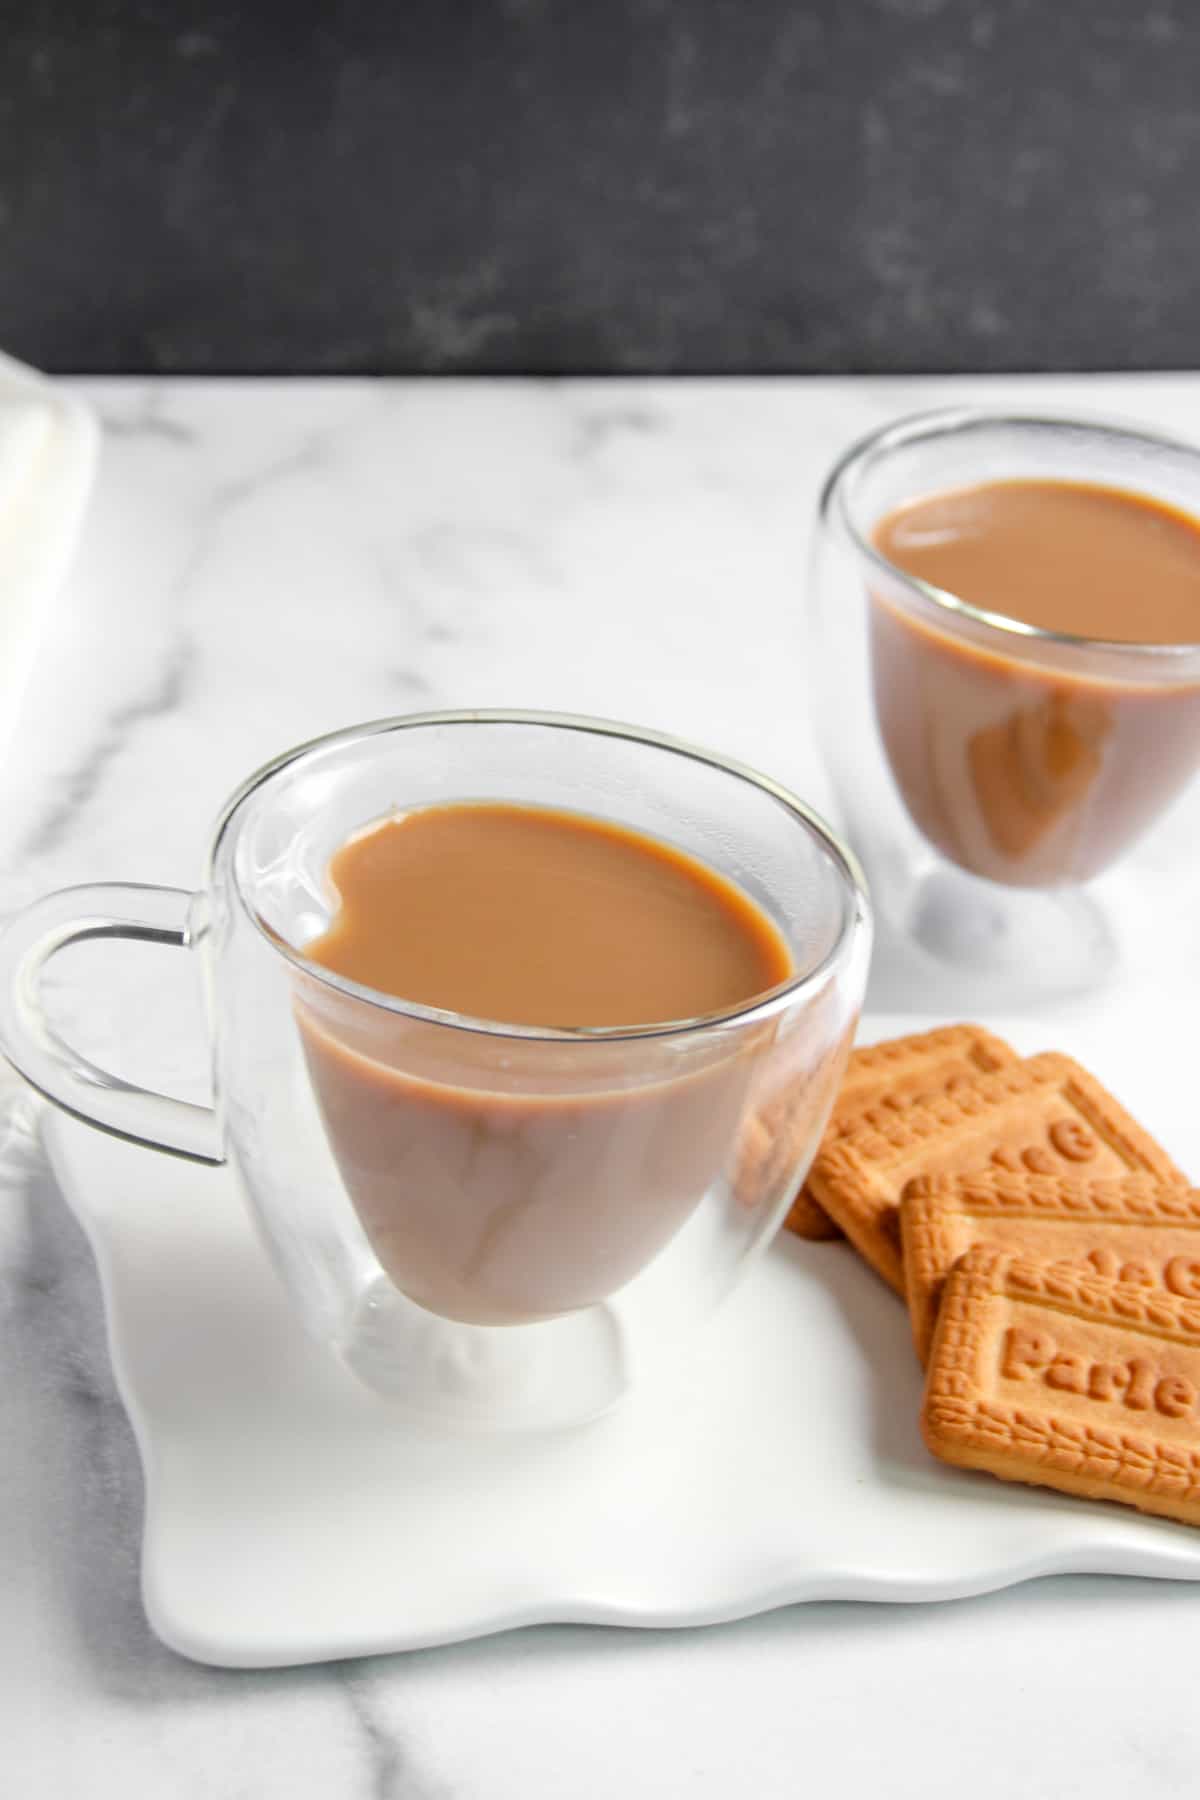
266	561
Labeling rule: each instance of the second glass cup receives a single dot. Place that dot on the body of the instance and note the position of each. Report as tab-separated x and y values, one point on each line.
998	779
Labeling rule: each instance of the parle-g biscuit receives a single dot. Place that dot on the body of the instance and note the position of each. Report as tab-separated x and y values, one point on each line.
767	1144
807	1218
1046	1115
1045	1374
906	1070
1136	1229
776	1134
897	1073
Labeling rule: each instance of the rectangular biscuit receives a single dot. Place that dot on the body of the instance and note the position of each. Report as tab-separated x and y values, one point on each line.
1047	1115
907	1070
1136	1228
1044	1374
781	1128
808	1219
763	1148
778	1133
899	1072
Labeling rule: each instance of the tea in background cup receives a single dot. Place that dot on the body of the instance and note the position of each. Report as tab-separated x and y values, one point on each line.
1029	776
1008	614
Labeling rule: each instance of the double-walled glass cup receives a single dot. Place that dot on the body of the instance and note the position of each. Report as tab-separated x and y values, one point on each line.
495	1224
1023	800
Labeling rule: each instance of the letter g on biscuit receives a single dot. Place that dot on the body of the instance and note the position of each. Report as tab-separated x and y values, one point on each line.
1182	1276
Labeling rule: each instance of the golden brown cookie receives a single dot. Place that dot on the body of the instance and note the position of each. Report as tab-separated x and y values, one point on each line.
1043	1374
764	1157
808	1219
898	1073
904	1071
1136	1229
777	1137
1046	1115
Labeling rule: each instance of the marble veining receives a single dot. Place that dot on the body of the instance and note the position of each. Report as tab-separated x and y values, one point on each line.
266	561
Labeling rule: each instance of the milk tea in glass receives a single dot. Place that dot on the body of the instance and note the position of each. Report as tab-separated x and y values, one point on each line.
524	1031
1007	625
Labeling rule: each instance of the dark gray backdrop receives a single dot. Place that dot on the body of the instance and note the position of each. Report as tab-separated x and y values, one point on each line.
600	185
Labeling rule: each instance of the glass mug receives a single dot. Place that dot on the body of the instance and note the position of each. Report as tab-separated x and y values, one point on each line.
1015	794
493	1224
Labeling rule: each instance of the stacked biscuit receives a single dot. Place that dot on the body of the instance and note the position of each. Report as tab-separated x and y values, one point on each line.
1049	1253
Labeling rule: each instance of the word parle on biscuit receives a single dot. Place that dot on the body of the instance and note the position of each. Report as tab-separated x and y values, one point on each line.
1033	1353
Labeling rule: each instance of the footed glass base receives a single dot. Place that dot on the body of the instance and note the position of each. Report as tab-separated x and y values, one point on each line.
488	1377
954	942
556	1372
1037	941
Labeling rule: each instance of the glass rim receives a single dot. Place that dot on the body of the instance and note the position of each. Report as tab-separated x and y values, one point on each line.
945	422
856	904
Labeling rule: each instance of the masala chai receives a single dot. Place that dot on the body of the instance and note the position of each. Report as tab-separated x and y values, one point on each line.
1022	772
482	1202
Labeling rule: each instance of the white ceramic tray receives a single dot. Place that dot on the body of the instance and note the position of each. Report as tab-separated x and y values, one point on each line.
291	1517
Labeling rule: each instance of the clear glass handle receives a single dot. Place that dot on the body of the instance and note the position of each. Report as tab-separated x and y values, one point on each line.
152	915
